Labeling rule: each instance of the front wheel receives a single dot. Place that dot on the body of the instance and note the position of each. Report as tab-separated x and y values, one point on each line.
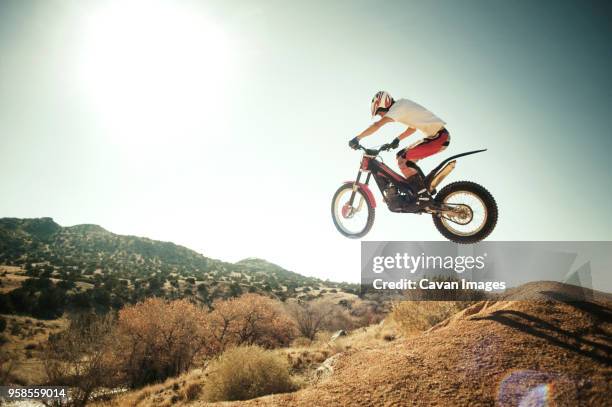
469	212
354	220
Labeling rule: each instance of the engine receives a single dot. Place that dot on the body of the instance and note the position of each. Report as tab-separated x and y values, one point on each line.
399	200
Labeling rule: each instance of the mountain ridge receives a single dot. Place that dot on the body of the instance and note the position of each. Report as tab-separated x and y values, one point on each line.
97	267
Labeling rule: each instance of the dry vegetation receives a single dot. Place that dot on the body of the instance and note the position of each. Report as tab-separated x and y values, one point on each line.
173	352
158	339
250	320
417	316
162	352
83	357
537	346
301	359
247	372
21	344
155	340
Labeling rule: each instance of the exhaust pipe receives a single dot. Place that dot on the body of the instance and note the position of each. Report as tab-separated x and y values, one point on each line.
439	177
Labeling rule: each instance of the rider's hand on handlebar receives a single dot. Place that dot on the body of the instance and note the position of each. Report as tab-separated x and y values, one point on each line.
395	143
354	143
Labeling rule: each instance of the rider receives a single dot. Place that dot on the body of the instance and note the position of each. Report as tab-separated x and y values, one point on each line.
416	117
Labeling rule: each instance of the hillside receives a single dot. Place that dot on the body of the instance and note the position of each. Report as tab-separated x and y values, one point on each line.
551	351
47	267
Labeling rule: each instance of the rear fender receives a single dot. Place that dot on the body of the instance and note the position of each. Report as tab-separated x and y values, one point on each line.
366	190
433	172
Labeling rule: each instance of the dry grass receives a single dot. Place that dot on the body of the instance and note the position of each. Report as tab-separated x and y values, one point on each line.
306	356
416	316
493	353
25	335
15	276
192	391
301	360
175	391
247	372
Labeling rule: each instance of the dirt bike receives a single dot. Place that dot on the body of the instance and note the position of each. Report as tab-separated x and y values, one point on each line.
463	211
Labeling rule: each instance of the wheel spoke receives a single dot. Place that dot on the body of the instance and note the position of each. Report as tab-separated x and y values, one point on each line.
469	215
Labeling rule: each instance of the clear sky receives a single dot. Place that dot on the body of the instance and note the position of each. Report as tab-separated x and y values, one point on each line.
223	125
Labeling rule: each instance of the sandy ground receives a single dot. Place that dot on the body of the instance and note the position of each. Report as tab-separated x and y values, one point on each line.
549	351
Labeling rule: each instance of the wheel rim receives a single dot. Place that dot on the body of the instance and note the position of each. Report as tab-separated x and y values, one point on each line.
353	219
471	213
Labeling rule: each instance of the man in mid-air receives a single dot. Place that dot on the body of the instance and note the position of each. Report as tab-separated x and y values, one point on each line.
416	117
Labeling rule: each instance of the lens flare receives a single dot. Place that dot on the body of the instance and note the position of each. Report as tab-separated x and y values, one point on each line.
530	388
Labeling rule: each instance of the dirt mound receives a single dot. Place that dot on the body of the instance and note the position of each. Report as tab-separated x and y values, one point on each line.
513	352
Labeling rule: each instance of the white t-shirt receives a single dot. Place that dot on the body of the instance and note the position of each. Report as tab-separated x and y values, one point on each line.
416	116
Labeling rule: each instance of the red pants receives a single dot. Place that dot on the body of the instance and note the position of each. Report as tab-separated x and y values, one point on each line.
421	149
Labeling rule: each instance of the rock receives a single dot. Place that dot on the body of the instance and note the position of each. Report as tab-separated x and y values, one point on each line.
326	369
338	334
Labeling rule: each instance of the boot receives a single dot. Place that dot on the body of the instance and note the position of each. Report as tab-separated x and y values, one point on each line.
417	183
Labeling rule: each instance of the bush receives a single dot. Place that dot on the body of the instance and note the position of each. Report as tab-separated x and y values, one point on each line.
250	320
6	307
192	391
161	339
247	372
82	357
310	317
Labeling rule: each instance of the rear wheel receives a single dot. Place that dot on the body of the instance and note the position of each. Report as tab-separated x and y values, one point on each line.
354	220
469	212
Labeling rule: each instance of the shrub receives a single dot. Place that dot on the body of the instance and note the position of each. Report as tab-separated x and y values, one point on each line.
7	363
310	317
6	307
247	372
15	328
250	320
192	391
161	339
82	357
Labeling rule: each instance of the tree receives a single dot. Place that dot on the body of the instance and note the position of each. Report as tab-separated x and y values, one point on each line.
66	284
21	300
50	304
82	357
6	307
309	316
161	339
250	320
235	290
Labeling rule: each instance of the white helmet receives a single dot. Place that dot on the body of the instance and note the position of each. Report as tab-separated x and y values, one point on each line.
381	100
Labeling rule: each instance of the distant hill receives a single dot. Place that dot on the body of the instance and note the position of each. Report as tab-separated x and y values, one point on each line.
97	268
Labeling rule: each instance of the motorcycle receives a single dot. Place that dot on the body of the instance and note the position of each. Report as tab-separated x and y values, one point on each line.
463	211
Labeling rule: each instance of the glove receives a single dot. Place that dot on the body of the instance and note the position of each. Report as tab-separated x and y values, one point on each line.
394	143
354	143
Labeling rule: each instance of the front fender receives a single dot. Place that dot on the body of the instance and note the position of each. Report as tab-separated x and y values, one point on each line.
367	191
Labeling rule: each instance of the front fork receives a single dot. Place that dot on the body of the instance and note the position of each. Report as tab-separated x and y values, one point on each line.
356	185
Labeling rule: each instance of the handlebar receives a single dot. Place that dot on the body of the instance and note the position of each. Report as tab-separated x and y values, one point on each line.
373	151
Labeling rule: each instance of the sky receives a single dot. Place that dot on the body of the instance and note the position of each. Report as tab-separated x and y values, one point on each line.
223	125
